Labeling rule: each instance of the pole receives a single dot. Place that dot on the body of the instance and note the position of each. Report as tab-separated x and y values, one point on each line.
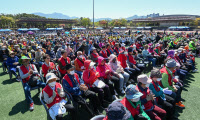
93	15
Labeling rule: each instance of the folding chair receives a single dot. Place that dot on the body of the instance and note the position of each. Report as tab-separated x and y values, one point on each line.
58	73
46	108
44	104
98	117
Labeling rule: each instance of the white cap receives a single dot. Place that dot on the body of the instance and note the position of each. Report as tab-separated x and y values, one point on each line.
50	76
92	64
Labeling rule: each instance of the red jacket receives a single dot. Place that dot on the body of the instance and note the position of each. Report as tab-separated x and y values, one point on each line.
63	64
49	91
89	75
122	59
148	105
95	56
104	54
45	68
131	59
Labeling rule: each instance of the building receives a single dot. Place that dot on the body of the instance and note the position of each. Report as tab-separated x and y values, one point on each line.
167	20
34	21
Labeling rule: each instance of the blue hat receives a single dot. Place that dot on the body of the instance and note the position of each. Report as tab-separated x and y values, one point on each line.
116	111
132	92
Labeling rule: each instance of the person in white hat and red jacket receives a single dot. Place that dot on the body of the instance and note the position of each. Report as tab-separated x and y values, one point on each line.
153	111
54	96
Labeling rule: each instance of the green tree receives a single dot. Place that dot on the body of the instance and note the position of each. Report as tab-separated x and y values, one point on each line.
85	22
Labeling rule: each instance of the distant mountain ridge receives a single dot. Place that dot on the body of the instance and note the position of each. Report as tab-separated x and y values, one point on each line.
62	16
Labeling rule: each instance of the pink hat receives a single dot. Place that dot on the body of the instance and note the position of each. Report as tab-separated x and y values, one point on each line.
144	79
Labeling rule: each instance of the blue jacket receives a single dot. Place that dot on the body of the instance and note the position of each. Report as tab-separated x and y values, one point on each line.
10	62
75	90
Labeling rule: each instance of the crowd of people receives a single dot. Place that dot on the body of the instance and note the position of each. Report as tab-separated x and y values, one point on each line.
101	67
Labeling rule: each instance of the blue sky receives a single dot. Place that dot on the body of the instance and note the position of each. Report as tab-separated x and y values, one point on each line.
103	8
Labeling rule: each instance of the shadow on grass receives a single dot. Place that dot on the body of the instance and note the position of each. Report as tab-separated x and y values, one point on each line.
20	107
23	107
178	111
8	81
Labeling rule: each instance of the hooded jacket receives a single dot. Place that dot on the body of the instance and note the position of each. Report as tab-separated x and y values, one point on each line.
116	65
89	75
102	68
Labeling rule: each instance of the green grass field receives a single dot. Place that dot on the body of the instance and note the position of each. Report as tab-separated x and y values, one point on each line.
14	107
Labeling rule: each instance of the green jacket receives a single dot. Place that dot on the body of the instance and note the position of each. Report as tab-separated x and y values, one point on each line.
192	45
165	82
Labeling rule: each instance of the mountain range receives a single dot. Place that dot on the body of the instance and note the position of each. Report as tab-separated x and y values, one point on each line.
62	16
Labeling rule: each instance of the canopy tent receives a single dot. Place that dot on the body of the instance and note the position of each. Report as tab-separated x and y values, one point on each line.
147	27
5	30
172	27
123	27
78	28
140	28
116	28
54	29
182	27
22	29
99	28
59	28
33	29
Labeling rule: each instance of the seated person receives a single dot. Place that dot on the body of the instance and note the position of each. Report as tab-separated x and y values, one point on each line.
62	62
116	111
148	56
4	54
109	50
47	66
106	73
168	82
119	71
12	63
153	111
51	53
76	87
123	61
27	71
94	55
79	63
103	52
165	101
133	104
132	62
54	95
90	76
117	49
38	55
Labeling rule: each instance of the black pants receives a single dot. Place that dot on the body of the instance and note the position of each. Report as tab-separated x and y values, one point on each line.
87	94
115	80
132	72
111	86
103	93
70	108
167	106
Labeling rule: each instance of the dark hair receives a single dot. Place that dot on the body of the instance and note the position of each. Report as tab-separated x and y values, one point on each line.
45	56
63	51
103	46
107	45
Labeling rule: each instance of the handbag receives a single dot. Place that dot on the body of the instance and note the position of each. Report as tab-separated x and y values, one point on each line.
33	80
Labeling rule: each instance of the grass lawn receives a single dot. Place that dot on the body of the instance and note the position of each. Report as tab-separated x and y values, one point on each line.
14	107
